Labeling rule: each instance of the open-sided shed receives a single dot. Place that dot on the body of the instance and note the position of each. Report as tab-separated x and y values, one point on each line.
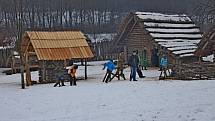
53	51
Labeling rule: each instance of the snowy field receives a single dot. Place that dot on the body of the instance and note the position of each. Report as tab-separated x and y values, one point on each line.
147	99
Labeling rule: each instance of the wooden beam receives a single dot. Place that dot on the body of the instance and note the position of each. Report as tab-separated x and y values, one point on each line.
205	45
85	68
43	71
31	53
27	71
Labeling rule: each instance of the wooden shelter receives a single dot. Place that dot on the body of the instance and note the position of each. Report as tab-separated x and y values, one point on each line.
53	51
155	34
207	46
201	69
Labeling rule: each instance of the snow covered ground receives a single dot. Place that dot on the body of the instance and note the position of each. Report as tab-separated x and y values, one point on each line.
147	99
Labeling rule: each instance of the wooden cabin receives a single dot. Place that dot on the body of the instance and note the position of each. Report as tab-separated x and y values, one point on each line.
201	69
53	50
155	34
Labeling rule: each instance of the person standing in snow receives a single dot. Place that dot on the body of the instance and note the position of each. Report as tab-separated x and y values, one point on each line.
60	80
120	65
72	73
110	67
133	63
163	65
143	60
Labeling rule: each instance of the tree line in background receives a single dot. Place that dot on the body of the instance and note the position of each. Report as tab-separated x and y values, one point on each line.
90	16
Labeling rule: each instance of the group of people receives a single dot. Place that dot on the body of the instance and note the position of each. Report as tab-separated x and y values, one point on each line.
133	62
135	65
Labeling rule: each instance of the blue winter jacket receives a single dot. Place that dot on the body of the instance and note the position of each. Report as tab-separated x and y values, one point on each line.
163	62
109	65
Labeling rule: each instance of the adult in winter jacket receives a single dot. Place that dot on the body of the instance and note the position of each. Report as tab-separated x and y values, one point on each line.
133	62
120	66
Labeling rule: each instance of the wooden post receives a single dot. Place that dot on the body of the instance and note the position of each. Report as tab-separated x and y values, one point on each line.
27	71
22	71
12	63
85	68
43	71
200	70
65	63
214	52
82	62
125	54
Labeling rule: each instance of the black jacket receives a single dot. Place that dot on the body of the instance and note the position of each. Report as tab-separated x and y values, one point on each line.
133	61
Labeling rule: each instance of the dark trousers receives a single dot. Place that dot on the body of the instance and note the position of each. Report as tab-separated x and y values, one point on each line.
58	83
108	76
133	73
72	81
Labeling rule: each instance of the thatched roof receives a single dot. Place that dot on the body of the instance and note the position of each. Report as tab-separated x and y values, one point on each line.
207	45
59	45
177	33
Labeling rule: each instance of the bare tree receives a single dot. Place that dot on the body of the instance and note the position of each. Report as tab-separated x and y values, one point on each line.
205	13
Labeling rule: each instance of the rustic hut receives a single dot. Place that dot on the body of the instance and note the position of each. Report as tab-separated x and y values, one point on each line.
200	69
206	49
53	51
154	34
207	46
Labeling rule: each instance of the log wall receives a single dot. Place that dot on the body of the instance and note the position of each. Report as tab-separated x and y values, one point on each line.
139	39
51	70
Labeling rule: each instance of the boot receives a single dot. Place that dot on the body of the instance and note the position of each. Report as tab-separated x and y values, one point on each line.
74	80
62	83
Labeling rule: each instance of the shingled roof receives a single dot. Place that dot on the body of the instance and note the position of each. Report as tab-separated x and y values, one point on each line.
59	45
177	33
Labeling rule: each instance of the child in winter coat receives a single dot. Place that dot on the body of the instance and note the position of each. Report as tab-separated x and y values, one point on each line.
60	80
164	66
163	62
72	73
110	67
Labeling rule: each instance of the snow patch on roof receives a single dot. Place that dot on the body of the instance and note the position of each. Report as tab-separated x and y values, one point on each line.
162	17
157	35
184	51
177	41
183	48
153	24
175	32
186	55
194	30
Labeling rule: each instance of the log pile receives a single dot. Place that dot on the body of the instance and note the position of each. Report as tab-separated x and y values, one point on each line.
51	70
204	70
